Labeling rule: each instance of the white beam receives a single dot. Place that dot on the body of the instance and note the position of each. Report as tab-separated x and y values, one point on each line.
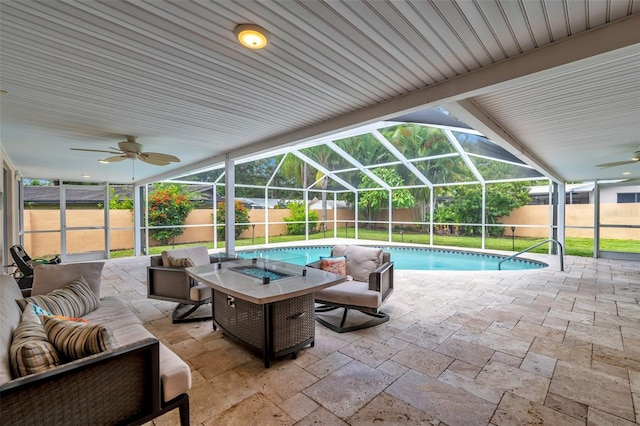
469	112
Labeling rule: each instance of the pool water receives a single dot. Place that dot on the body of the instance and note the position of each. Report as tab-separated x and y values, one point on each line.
420	259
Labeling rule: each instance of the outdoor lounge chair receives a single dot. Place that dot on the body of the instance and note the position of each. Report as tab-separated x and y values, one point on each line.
372	283
168	280
25	264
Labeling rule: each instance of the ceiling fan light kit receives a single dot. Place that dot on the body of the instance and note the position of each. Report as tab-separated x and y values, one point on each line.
131	149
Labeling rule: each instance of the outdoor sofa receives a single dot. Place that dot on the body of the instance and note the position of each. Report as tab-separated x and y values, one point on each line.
134	380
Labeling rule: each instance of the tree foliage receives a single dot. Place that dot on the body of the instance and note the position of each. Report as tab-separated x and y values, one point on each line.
371	202
169	205
294	227
241	219
119	201
464	205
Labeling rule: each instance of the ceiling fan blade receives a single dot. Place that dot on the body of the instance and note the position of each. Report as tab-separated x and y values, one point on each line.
159	156
617	163
95	150
154	161
114	159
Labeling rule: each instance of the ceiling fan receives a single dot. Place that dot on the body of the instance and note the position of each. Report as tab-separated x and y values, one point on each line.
133	150
634	159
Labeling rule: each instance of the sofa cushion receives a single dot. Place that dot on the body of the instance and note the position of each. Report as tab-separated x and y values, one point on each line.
73	300
199	255
47	278
336	265
175	374
361	261
113	313
30	351
10	317
77	340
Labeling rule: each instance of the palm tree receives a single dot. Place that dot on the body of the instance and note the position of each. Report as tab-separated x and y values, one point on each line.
324	156
417	141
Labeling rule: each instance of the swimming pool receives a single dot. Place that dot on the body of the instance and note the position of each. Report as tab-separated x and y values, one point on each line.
412	258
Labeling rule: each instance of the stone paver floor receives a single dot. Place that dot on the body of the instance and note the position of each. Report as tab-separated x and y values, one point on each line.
461	348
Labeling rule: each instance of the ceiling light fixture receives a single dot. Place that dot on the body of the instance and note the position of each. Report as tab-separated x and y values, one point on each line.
86	176
251	36
626	173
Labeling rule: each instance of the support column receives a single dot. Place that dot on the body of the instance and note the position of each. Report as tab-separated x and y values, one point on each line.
390	217
431	210
137	222
230	206
561	208
554	220
596	219
484	213
214	208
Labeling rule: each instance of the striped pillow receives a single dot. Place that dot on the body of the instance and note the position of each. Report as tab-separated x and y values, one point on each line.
76	340
30	350
73	300
180	262
38	312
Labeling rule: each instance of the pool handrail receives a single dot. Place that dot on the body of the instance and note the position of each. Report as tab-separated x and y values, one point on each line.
548	240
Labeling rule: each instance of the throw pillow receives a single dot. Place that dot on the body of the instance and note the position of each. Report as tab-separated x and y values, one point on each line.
180	262
47	278
73	300
37	311
30	351
336	265
75	340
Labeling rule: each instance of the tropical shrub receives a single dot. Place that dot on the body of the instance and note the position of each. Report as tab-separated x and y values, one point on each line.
169	205
242	218
297	227
465	205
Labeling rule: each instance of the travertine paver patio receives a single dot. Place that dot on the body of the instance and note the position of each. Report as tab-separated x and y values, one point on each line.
463	348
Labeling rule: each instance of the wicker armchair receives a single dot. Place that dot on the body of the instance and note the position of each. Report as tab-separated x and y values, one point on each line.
173	284
372	283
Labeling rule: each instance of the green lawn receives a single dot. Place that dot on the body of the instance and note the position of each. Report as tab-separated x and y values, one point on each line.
574	246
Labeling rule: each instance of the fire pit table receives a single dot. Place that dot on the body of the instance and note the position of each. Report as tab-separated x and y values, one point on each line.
267	306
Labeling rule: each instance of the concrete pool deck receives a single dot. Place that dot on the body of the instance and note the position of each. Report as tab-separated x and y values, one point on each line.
461	348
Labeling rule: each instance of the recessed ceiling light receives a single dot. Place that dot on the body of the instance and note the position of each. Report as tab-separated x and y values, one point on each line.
626	173
86	176
251	36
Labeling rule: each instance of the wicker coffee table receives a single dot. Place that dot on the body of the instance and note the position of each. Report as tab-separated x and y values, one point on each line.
267	306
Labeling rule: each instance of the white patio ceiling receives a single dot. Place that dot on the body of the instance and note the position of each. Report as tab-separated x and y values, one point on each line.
557	83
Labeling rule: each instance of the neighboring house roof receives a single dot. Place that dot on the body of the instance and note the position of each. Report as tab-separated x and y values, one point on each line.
51	195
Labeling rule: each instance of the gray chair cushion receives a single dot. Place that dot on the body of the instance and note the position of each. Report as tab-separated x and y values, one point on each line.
199	292
354	293
361	261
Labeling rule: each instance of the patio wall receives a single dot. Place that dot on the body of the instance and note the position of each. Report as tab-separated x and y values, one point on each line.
45	243
578	215
47	224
